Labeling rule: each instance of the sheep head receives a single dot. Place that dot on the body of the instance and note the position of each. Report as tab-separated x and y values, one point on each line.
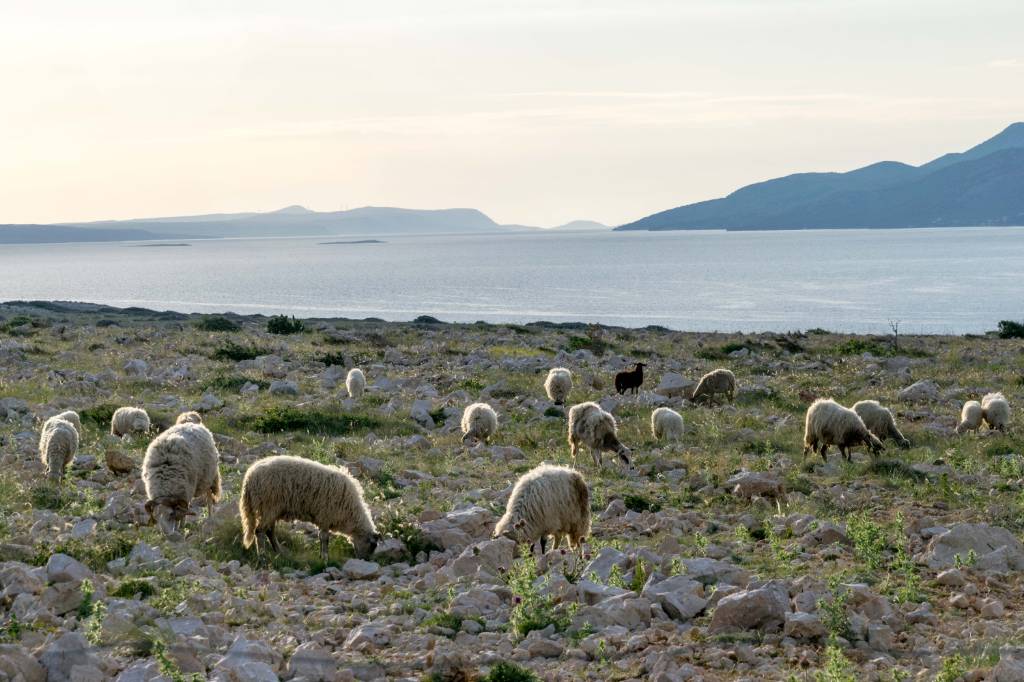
365	544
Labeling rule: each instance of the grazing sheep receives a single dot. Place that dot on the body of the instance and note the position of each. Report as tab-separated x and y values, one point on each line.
286	488
479	422
189	418
829	423
72	416
716	382
355	383
996	411
558	385
58	444
631	380
180	464
970	417
880	421
666	424
128	420
592	427
547	500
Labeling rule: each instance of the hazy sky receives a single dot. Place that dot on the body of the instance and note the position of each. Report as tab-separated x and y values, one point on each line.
534	112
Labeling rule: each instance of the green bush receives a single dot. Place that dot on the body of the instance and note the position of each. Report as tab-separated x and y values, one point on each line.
232	383
639	503
128	588
216	323
1009	329
509	672
282	324
533	610
331	359
279	418
235	352
594	345
99	415
397	523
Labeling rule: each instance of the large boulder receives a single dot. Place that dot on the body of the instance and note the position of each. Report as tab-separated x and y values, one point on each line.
712	571
626	610
763	609
997	549
70	651
1010	667
680	596
460	528
921	391
748	484
18	664
674	385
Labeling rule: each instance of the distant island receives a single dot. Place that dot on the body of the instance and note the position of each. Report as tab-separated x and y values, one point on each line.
291	221
983	186
356	241
158	245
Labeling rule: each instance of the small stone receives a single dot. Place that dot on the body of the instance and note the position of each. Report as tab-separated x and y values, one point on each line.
952	577
992	608
284	387
357	569
960	600
804	626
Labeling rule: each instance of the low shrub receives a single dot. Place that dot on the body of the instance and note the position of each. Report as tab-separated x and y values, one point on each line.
216	323
282	324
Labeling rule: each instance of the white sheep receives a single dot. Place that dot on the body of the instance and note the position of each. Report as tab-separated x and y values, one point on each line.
996	410
592	427
355	383
829	423
547	500
128	420
58	444
180	464
72	417
971	416
667	424
716	382
289	488
189	418
479	422
880	421
558	385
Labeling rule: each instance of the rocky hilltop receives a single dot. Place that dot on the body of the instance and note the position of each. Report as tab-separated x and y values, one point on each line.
725	555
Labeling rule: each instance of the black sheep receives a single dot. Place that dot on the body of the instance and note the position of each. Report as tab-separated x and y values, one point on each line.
625	381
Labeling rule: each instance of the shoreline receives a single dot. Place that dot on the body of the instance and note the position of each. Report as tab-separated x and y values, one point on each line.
51	308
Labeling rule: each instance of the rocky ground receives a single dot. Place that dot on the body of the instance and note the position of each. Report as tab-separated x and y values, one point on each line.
724	556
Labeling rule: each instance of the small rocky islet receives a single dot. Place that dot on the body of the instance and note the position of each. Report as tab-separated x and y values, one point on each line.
725	554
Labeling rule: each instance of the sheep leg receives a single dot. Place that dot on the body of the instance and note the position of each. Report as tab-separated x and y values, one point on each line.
823	451
596	454
845	452
543	544
572	451
272	538
325	538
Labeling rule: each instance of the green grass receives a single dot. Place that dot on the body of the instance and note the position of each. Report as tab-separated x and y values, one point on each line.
320	422
235	352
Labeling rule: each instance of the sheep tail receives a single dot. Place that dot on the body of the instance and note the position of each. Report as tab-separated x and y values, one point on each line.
249	520
216	490
582	493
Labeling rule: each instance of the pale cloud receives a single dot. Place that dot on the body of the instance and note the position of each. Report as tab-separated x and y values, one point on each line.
1007	64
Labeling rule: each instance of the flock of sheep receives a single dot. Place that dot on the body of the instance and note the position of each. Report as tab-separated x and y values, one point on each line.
181	463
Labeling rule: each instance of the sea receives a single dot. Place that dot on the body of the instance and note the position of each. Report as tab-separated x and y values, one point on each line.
929	281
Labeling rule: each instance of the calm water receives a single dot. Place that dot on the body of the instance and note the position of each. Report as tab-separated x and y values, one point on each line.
935	281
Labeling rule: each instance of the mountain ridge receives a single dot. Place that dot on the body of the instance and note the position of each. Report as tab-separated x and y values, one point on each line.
981	186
